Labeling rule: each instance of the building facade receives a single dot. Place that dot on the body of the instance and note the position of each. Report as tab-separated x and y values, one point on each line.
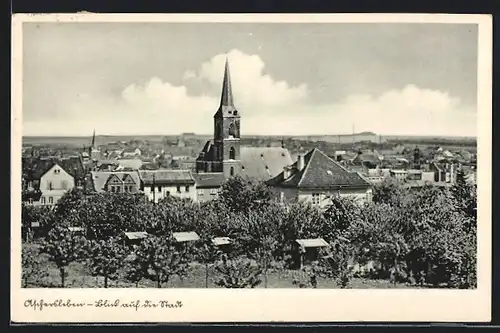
162	183
54	183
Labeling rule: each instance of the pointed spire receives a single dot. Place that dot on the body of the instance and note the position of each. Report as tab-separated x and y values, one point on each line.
93	139
227	92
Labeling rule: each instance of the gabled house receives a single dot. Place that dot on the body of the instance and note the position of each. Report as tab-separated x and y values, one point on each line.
45	180
54	183
116	182
315	178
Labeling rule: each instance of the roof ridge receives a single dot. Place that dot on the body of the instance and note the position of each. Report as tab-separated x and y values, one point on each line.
332	160
306	167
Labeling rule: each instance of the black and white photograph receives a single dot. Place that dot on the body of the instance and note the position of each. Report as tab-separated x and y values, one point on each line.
250	155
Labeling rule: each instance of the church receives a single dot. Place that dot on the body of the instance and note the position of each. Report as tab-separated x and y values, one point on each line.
225	157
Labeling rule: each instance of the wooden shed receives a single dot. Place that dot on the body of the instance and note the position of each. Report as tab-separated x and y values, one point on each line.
308	250
135	238
223	243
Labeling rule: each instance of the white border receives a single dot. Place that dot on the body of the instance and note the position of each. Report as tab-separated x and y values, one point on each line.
292	305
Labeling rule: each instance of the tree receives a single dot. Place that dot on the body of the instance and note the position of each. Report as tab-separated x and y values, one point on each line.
161	259
242	194
237	273
106	258
207	254
31	268
335	264
64	247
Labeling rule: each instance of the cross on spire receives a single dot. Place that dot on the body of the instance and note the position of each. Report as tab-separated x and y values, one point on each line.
227	92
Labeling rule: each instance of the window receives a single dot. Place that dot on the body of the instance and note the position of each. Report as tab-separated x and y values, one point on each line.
57	171
369	196
168	193
232	153
152	188
30	201
125	188
187	188
51	200
316	198
213	191
231	171
178	189
200	192
159	188
232	131
64	185
50	186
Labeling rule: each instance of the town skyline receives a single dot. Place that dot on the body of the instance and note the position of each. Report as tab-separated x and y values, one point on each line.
354	85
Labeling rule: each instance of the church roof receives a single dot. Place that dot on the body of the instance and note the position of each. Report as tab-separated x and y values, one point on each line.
226	98
227	92
320	172
263	163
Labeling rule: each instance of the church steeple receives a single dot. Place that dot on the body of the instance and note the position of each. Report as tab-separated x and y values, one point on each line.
227	92
93	140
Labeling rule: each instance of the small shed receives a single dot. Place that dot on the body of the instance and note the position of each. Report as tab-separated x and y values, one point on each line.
134	238
223	243
76	230
307	250
187	236
35	224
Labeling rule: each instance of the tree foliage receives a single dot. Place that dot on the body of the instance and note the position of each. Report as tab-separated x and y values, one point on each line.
160	259
64	247
237	272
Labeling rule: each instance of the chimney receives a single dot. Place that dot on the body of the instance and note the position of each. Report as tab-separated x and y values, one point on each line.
300	162
286	172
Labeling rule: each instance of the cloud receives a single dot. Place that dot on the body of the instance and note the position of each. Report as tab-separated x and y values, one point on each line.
268	106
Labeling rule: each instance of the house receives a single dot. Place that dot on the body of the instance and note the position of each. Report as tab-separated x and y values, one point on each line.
208	185
161	183
54	183
315	178
68	174
116	182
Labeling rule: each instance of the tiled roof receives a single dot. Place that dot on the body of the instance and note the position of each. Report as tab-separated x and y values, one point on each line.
167	176
100	178
264	163
320	172
72	165
208	180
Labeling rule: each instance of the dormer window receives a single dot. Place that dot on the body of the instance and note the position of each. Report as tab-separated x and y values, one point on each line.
57	171
235	113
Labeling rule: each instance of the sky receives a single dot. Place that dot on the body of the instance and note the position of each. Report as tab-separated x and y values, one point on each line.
287	78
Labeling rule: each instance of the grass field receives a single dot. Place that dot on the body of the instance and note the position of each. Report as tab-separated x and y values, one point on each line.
80	277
